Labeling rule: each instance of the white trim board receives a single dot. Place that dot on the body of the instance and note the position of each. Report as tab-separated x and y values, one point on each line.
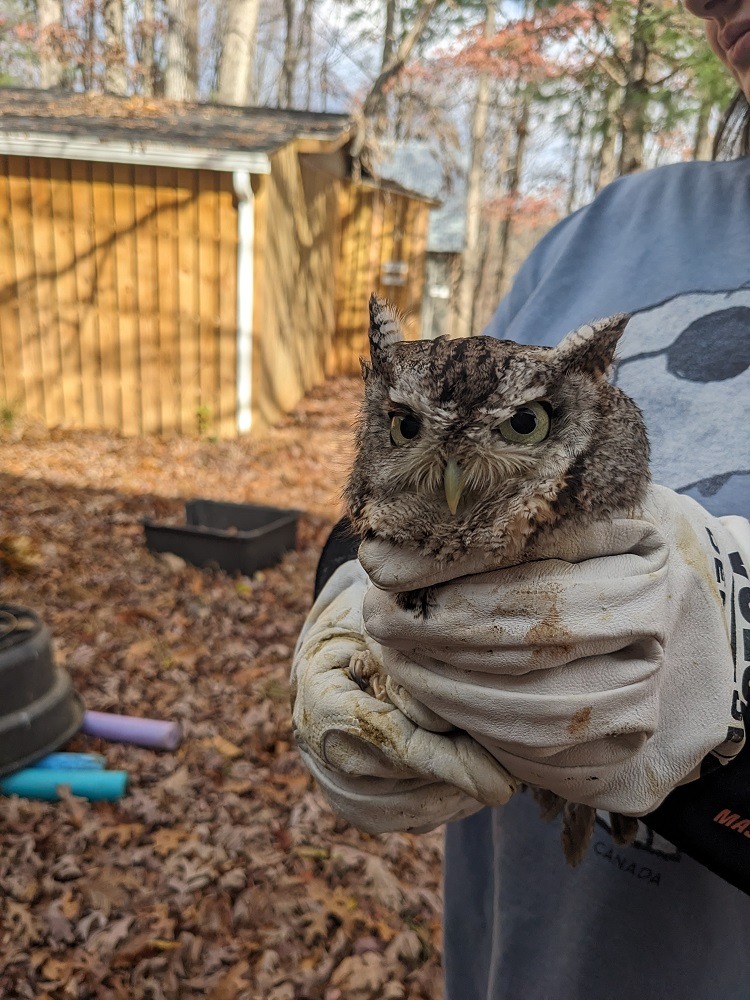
243	190
146	153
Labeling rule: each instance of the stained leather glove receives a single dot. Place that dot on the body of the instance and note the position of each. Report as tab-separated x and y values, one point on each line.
606	671
377	768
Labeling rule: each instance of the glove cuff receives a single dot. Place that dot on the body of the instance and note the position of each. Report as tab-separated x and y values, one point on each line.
729	538
383	805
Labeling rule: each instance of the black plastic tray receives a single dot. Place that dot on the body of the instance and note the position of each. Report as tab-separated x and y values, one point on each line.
236	537
39	710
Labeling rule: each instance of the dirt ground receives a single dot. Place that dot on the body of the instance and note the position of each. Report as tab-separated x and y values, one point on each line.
221	874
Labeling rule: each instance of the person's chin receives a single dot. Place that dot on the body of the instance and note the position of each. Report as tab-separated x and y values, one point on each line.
737	59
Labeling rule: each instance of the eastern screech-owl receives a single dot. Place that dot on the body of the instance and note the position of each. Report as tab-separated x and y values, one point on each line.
483	444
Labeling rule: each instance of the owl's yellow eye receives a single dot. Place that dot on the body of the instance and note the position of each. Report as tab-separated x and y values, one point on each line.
404	428
529	424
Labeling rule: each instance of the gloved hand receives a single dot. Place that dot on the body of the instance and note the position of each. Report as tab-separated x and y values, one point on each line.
378	769
606	671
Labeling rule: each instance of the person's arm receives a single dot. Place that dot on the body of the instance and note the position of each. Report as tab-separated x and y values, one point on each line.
709	819
340	547
610	673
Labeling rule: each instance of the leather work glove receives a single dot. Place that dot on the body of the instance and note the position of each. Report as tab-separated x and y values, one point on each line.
605	672
377	768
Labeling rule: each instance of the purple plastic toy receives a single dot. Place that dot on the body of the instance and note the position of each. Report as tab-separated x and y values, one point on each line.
131	729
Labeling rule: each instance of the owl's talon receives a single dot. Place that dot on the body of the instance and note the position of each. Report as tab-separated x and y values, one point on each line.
362	682
378	688
364	670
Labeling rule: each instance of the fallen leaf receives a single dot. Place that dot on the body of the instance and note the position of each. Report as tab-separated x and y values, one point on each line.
359	977
232	983
123	833
226	748
166	840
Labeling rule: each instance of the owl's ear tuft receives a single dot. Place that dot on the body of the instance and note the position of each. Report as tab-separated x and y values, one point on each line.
385	327
364	368
591	348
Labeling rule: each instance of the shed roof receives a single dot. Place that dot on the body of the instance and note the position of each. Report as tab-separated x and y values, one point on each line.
417	164
44	122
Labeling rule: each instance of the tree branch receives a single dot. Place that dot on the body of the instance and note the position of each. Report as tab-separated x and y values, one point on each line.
397	62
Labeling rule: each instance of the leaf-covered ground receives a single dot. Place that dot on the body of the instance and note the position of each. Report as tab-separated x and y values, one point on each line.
222	874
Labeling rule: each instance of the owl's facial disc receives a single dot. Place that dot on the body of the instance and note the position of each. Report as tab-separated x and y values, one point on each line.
433	465
405	427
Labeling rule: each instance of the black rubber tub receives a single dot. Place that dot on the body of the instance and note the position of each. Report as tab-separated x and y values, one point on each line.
236	537
39	710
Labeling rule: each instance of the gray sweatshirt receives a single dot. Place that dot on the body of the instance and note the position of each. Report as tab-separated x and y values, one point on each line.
671	246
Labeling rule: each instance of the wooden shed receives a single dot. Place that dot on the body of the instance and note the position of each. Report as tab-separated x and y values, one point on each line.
182	268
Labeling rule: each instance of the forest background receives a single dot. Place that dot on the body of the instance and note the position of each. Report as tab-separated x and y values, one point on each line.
529	107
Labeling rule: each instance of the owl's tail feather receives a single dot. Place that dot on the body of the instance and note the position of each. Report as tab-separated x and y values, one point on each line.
550	805
623	829
578	828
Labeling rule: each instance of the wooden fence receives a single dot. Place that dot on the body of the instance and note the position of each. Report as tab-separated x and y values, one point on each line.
118	295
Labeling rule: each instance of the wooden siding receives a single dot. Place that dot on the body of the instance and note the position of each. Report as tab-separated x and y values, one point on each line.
296	222
320	245
377	227
118	288
118	296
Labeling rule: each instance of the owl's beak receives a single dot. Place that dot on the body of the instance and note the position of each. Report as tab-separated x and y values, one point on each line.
453	482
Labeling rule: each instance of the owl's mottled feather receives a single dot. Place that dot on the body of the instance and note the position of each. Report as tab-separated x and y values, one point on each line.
484	444
593	464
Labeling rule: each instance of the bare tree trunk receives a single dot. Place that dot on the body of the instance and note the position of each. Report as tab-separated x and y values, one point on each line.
304	47
49	18
325	83
577	157
380	111
146	48
193	12
88	63
632	127
389	35
291	57
358	148
703	142
237	59
470	259
634	100
514	184
589	159
486	301
180	83
399	58
488	293
115	64
606	168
